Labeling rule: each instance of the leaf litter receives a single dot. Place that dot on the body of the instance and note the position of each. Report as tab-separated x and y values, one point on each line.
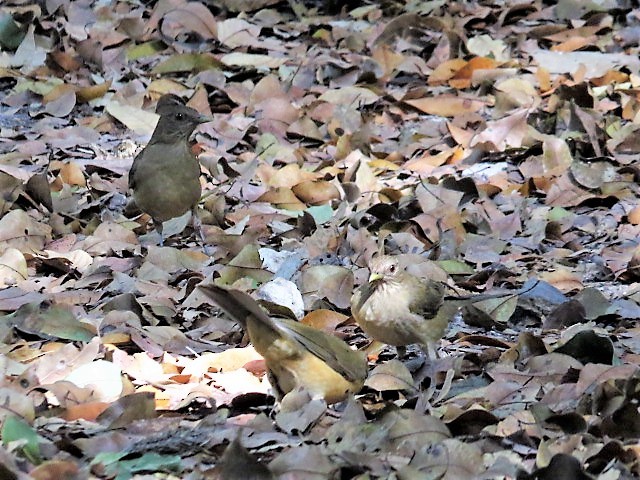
491	145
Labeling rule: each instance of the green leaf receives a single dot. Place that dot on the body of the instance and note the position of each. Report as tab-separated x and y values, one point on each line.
321	213
499	310
11	34
455	267
14	429
56	321
125	469
39	87
557	214
145	49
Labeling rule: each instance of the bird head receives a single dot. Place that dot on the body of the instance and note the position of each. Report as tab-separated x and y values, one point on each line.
384	268
177	121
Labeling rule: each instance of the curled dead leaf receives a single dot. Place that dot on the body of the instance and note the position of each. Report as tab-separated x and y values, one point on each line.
392	375
316	192
563	279
72	174
19	230
634	216
282	197
447	105
86	94
324	319
85	411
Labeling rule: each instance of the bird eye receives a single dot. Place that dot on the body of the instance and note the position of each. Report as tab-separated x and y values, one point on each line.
179	116
392	269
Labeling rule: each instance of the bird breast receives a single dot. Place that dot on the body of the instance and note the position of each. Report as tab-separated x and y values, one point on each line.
175	186
399	325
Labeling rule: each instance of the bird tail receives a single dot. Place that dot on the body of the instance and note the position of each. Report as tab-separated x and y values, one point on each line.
238	305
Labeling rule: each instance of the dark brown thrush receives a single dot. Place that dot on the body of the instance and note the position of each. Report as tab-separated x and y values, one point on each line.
165	175
296	355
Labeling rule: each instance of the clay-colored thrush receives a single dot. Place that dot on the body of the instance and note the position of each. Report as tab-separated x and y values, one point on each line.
165	175
296	355
398	308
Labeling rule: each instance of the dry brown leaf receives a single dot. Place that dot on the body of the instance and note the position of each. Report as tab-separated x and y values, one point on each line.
447	105
282	197
323	319
508	132
462	78
190	17
20	231
316	192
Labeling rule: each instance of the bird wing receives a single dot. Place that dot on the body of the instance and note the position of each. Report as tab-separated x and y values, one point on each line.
297	354
238	305
132	170
333	351
427	296
351	364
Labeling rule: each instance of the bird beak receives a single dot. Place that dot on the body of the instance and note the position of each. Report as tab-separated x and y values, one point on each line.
204	119
375	276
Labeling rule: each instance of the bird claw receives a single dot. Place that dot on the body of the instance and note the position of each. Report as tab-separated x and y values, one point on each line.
205	248
197	226
427	370
432	367
432	395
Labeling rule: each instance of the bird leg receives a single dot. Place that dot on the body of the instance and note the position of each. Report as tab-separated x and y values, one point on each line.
429	366
196	223
158	225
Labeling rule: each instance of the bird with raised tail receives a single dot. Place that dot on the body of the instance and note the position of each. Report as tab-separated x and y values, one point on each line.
296	355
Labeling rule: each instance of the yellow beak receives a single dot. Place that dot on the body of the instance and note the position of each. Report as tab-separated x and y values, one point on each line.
375	276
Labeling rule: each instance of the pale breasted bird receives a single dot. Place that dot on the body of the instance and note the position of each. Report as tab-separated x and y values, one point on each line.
400	309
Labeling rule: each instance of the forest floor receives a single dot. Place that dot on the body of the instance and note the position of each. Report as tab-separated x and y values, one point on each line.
493	145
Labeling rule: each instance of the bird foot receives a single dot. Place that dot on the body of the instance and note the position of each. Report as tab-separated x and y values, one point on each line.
433	395
427	370
151	238
432	368
196	223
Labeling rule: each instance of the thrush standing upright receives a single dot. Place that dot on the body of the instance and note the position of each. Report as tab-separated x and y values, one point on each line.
165	175
401	309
